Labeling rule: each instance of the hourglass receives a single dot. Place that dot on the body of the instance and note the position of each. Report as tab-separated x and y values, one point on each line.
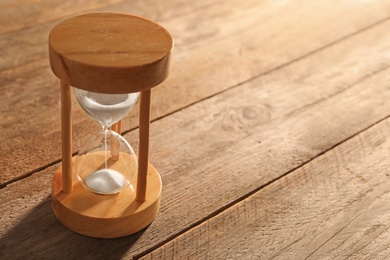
110	59
107	162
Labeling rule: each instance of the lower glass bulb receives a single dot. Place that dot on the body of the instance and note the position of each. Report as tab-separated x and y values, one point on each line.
106	164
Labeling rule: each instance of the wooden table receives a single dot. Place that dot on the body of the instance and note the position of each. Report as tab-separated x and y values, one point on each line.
271	133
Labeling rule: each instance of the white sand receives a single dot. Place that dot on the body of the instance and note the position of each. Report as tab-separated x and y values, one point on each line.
105	181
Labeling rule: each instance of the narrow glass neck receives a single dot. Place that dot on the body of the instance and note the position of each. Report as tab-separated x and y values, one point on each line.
106	127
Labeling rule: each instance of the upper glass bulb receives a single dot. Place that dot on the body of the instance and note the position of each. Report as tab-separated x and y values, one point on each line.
105	109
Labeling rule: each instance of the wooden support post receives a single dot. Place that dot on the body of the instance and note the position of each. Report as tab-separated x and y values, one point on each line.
143	151
115	145
117	127
66	132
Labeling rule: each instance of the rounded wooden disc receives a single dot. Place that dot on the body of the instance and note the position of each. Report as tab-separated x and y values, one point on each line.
106	216
110	52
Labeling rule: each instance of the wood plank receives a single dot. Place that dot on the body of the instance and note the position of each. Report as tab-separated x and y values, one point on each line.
30	44
20	14
334	207
31	88
273	122
17	15
254	23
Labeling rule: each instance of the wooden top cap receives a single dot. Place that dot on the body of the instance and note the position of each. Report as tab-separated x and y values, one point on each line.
110	52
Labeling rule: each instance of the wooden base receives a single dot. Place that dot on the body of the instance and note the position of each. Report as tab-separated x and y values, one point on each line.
106	216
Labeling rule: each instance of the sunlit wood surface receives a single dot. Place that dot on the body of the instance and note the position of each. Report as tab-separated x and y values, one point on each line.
272	132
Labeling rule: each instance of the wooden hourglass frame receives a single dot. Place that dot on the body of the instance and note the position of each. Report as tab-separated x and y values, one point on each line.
108	53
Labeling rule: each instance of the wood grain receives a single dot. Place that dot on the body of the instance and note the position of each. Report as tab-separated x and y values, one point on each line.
334	207
143	149
34	38
273	122
195	74
110	52
24	14
66	137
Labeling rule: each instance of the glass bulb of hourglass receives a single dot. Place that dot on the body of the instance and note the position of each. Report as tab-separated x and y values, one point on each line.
105	109
107	163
